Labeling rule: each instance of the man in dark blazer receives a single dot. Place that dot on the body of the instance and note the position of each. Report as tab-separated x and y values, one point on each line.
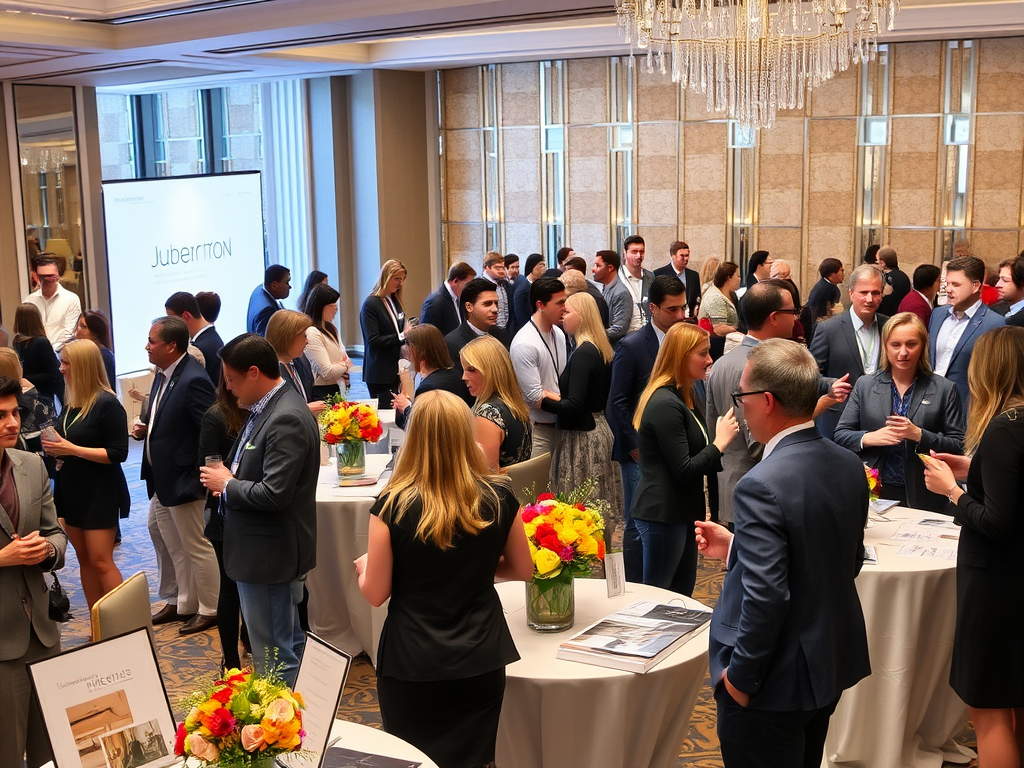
897	284
266	299
631	368
31	543
851	343
1011	289
787	636
442	309
521	295
180	396
202	333
679	254
494	272
921	299
480	305
758	268
955	327
268	494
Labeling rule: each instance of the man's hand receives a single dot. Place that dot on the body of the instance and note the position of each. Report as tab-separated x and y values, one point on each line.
635	455
31	549
317	406
713	540
841	388
741	698
213	478
400	402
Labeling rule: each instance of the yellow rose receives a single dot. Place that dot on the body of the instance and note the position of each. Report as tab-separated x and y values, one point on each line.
547	562
587	545
566	534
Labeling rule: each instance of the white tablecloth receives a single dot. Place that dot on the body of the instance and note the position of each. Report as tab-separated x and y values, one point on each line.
337	611
904	714
564	714
362	738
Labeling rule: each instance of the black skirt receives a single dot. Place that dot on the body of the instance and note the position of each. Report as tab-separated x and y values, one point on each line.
455	722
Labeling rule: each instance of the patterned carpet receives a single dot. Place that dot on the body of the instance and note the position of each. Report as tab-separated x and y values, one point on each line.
190	662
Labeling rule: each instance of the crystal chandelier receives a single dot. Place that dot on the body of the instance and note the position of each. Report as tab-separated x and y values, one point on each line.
754	57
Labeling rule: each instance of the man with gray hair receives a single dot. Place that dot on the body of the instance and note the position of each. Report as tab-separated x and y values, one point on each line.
788	634
851	343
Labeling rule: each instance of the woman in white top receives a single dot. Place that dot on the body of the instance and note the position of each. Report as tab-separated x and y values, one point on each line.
324	350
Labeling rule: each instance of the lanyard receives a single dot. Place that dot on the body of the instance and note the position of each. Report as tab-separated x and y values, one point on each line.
66	425
867	355
553	356
636	295
701	425
392	311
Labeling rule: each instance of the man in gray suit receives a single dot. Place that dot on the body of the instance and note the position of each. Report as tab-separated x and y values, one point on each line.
851	343
31	543
268	497
620	304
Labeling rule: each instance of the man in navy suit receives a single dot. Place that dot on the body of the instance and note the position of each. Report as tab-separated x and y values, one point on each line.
202	334
442	309
631	368
180	396
955	327
1011	289
787	635
266	299
679	253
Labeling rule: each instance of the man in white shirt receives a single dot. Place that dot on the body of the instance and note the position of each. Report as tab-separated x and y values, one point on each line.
636	279
955	327
1011	288
59	307
539	355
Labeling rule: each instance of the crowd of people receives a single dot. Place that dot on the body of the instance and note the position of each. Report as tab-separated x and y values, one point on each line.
682	393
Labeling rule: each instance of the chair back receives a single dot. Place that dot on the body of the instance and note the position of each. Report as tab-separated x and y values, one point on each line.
530	474
122	609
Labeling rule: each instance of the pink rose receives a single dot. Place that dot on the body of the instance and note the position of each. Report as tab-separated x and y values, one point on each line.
199	747
280	711
252	738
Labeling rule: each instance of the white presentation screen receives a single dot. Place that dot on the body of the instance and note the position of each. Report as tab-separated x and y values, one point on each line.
190	233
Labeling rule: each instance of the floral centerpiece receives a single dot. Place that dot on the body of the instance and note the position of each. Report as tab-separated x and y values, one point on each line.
241	721
566	538
349	426
874	484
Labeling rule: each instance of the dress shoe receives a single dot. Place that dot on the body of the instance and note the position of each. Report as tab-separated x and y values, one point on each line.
198	623
168	614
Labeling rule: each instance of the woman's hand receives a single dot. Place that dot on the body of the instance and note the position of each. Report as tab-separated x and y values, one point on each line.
59	447
726	428
400	402
960	465
905	428
938	478
317	406
887	435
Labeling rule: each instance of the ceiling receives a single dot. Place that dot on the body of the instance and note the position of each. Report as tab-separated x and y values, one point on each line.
140	45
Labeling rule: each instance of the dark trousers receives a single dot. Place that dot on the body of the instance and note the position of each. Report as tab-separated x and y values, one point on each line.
632	547
22	727
756	738
228	611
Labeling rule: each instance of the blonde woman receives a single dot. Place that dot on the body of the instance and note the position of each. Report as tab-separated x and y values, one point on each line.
985	672
441	532
675	457
583	446
708	268
90	491
502	417
287	333
382	320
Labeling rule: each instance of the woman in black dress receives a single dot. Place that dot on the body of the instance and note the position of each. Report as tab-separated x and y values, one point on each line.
429	357
988	663
503	426
445	643
38	361
90	490
583	447
93	325
382	320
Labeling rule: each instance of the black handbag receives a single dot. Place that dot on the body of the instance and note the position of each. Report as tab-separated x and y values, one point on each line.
60	605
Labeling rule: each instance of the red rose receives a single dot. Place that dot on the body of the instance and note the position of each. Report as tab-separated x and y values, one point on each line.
220	722
600	549
544	530
551	542
545	496
223	695
530	514
179	740
581	508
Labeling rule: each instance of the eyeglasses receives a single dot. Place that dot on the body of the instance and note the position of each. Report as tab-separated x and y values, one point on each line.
794	312
738	395
48	278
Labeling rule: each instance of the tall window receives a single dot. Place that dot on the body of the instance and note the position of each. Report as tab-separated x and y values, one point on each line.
242	123
742	188
620	149
552	110
179	138
873	139
957	128
117	135
491	114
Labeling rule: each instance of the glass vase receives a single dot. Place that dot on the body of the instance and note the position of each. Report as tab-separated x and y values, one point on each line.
550	603
351	461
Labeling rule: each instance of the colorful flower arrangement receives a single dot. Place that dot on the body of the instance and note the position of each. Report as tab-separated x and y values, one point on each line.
241	720
347	422
564	533
874	484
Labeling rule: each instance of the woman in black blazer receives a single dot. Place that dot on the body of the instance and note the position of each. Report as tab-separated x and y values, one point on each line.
382	320
90	490
675	457
583	445
988	666
38	360
901	411
428	357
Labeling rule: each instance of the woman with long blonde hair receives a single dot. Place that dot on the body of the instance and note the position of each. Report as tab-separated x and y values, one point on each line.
675	457
382	319
502	417
583	442
441	531
990	557
91	443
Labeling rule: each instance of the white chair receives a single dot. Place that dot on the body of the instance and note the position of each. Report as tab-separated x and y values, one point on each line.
530	477
122	609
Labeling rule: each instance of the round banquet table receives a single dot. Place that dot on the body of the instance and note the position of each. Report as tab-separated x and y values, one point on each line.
566	714
362	738
905	713
337	610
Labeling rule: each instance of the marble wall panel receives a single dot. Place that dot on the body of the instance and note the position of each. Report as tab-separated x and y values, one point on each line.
836	97
656	172
704	240
780	207
588	239
657	241
588	90
704	138
462	145
462	98
657	206
521	144
786	138
520	94
522	238
705	173
999	132
996	208
916	134
912	208
694	107
464	205
522	206
776	172
704	208
917	78
588	174
832	172
993	247
465	242
824	208
657	140
657	97
783	242
913	245
521	174
587	141
826	243
1000	75
997	170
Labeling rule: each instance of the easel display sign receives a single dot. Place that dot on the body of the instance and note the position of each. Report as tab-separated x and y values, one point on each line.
105	705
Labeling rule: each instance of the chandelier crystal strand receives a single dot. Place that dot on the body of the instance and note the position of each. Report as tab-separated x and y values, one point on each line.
751	58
